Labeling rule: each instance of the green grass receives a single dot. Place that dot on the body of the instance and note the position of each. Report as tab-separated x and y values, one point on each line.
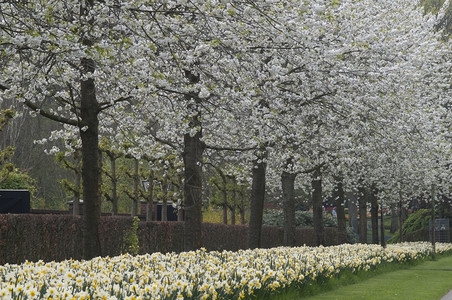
423	281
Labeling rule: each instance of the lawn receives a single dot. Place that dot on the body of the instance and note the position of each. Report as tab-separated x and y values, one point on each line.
427	280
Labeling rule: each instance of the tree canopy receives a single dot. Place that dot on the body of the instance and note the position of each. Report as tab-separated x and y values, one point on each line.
346	89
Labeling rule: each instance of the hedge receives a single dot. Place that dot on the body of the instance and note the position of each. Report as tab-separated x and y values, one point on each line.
36	237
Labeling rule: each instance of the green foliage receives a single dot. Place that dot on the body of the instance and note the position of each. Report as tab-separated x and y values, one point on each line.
73	164
130	242
5	116
235	191
6	154
434	6
16	180
302	219
13	179
418	220
10	177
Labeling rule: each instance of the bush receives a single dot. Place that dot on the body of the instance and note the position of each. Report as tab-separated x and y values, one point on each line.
17	181
13	179
416	222
130	240
302	219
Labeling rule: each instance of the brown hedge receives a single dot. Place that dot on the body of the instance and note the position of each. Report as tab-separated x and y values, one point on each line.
48	237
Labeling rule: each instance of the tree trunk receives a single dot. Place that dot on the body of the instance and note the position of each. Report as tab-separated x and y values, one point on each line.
403	214
288	194
164	216
394	218
353	211
78	183
150	198
114	185
180	209
374	215
362	201
234	202
339	197
317	206
242	206
193	158
193	191
445	207
89	133
382	227
225	204
257	199
233	212
136	183
224	193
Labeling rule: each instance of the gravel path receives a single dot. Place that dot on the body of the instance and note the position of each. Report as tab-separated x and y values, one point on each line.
448	296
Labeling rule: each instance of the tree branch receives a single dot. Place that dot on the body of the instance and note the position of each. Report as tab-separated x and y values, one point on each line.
211	147
105	105
51	116
312	169
166	142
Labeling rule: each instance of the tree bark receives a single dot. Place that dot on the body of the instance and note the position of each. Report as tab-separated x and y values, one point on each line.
224	193
234	201
394	218
193	158
444	207
382	227
317	206
136	183
225	213
339	196
242	204
403	214
150	197
114	185
288	194
257	199
164	215
362	200
180	210
77	183
193	191
233	212
374	215
353	211
89	133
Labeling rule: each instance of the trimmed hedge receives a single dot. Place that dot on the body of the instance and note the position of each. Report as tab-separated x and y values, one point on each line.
36	237
33	237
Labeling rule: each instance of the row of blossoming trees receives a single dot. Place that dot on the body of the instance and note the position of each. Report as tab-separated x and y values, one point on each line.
340	95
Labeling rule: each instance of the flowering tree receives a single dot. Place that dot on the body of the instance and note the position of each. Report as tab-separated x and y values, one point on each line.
59	58
375	74
318	87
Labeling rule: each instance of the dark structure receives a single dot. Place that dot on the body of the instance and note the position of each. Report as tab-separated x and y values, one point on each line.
14	201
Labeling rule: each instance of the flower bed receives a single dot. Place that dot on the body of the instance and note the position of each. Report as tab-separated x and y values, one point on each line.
198	274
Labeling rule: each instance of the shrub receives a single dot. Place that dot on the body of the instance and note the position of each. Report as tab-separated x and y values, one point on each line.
12	178
302	219
416	222
131	244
